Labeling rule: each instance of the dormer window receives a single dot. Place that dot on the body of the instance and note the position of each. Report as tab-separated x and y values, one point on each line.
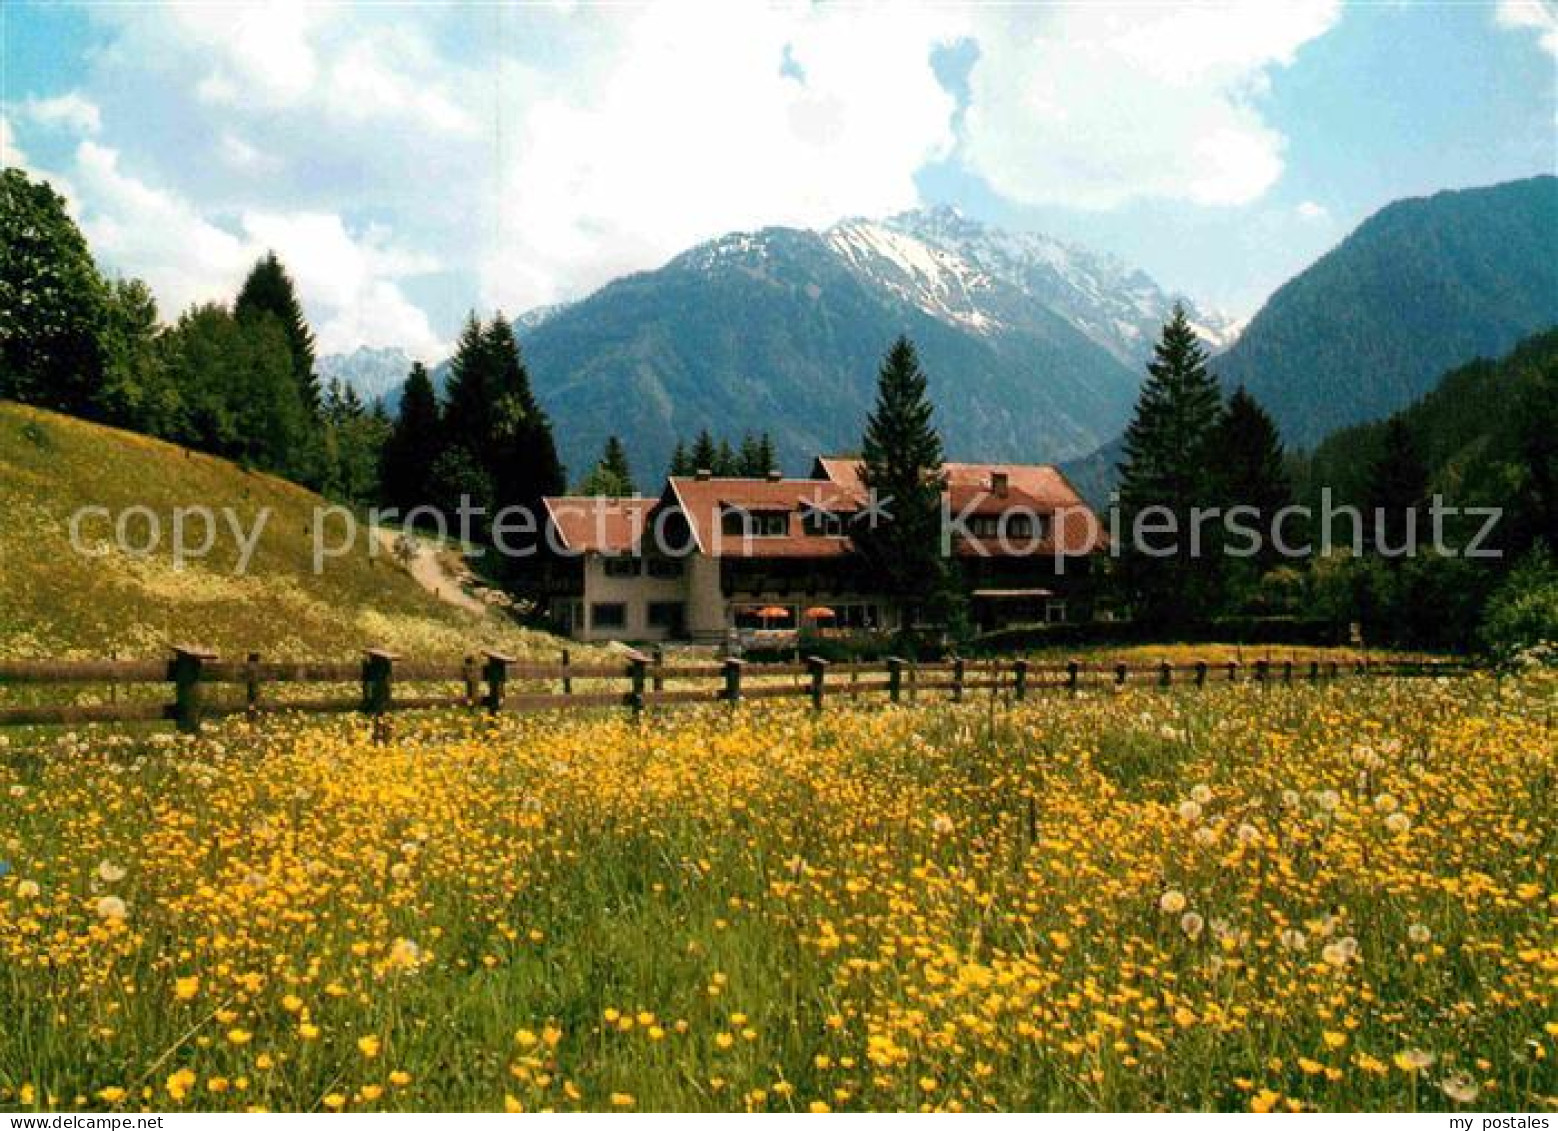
823	524
738	523
1012	526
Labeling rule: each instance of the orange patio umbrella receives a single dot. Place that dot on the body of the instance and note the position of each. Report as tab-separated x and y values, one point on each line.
820	612
769	612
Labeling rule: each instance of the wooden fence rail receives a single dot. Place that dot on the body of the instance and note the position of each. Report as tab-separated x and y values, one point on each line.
389	683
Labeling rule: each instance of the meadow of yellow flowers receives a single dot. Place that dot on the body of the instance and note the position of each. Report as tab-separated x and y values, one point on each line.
1309	897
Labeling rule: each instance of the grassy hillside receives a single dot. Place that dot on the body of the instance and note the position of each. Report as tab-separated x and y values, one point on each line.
55	601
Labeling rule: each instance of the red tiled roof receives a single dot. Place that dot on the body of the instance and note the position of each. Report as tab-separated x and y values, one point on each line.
704	502
587	524
1032	486
591	524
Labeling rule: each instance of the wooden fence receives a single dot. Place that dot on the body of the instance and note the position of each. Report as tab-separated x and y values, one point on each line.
205	686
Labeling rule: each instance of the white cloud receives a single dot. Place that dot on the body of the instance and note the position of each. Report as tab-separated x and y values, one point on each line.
1095	105
348	284
1311	210
10	153
543	152
239	154
69	111
1534	15
686	128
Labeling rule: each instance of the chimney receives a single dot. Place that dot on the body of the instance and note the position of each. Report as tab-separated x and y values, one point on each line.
775	475
998	482
703	474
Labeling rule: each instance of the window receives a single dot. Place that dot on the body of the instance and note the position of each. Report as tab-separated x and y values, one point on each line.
609	614
666	614
621	567
824	524
1055	611
738	523
1015	527
666	567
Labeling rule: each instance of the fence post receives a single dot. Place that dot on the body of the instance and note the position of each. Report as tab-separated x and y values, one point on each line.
894	679
1233	671
1073	676
251	682
1165	674
658	656
187	664
819	671
1287	671
1314	671
567	661
1334	670
497	674
1019	679
731	692
958	670
1262	670
638	671
1200	673
378	675
1121	672
472	682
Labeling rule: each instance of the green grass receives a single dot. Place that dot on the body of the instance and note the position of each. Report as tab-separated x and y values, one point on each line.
55	602
948	906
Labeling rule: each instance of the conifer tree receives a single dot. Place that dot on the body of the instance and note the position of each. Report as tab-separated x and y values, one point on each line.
725	462
615	460
681	461
1398	487
901	466
1169	463
522	460
611	476
1250	468
413	445
269	290
705	456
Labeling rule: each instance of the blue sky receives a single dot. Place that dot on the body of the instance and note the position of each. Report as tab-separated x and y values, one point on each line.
411	163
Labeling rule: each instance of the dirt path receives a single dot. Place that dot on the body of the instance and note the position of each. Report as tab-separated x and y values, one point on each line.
425	567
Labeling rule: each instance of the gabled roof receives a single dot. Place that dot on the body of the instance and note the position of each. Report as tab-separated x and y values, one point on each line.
1041	482
1031	486
705	501
596	524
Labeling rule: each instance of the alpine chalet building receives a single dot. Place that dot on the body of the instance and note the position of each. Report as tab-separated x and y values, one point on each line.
720	559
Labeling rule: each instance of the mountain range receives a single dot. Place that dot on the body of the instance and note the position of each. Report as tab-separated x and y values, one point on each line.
1035	347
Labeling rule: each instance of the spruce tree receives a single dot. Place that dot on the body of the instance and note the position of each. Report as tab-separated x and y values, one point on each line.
749	459
900	535
1250	468
681	461
611	476
725	463
766	459
615	460
1398	487
1169	463
413	446
269	290
469	394
522	460
704	454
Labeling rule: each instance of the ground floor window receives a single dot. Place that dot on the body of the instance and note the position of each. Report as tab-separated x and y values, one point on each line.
608	614
669	615
1055	611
